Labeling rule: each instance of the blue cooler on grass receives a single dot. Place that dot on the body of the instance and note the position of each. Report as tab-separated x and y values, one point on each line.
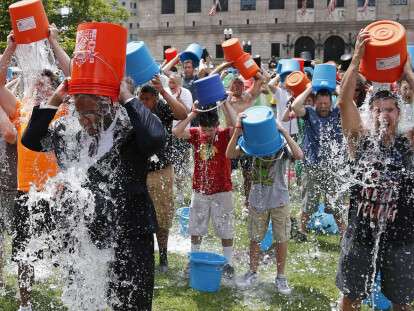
140	65
261	137
183	214
206	270
193	52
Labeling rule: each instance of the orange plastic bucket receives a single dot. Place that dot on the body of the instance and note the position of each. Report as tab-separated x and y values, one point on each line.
232	49
29	21
297	82
170	53
301	62
98	67
385	53
246	66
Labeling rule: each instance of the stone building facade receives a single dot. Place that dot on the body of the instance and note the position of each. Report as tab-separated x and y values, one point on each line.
282	28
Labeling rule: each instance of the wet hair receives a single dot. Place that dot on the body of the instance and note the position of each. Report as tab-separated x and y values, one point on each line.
323	92
149	89
174	69
54	78
208	118
384	94
176	78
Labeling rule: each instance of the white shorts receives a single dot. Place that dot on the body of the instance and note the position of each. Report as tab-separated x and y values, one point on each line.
219	207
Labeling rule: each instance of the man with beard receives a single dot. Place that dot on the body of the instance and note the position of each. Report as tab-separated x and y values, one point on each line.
121	169
380	235
321	143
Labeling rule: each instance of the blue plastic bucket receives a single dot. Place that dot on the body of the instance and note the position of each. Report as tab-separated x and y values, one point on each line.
308	70
287	67
209	90
260	134
193	52
280	64
183	214
206	270
324	77
268	239
410	49
140	65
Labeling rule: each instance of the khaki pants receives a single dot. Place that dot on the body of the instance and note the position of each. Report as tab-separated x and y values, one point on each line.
160	187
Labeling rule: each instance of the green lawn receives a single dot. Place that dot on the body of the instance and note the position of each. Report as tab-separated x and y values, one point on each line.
311	271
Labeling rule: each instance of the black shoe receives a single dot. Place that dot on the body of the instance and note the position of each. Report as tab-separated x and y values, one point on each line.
228	271
301	237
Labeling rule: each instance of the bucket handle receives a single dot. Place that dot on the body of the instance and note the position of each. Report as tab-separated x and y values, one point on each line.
96	55
215	107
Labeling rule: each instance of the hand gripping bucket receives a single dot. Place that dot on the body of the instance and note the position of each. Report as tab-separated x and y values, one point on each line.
170	53
29	21
209	90
193	52
98	67
140	65
324	77
206	270
297	82
183	214
386	52
246	66
260	134
232	49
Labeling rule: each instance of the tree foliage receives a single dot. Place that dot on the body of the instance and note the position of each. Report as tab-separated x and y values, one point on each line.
80	11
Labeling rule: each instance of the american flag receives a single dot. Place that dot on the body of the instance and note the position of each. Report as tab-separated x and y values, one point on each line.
365	7
303	9
213	9
331	6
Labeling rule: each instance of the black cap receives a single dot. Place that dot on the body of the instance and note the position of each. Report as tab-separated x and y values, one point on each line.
345	61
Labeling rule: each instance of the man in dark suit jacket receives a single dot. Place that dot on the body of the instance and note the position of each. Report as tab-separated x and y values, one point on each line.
124	215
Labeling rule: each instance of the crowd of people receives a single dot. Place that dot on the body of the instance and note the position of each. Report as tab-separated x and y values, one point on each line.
167	135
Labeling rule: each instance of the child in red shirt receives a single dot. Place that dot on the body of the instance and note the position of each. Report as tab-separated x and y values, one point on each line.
212	187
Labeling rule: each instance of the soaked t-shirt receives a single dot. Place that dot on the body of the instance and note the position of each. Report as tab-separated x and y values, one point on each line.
163	158
322	136
8	166
269	185
382	197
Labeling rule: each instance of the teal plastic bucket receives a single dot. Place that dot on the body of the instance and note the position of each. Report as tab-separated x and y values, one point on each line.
324	77
183	215
287	67
209	90
410	49
206	270
377	300
267	241
260	134
140	65
193	52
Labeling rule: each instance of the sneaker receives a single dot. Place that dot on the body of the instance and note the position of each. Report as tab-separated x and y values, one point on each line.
282	286
228	271
163	268
248	280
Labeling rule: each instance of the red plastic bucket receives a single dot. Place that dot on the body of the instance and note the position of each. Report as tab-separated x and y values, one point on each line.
246	66
29	21
232	49
98	67
170	53
386	52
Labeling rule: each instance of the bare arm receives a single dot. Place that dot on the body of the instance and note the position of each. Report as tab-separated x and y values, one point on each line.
273	83
167	68
7	99
229	113
60	54
257	87
177	108
233	150
180	130
7	129
350	117
298	105
221	67
297	153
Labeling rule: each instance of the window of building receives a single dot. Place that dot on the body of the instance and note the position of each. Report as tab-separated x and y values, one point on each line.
247	22
399	2
361	3
275	49
219	51
339	3
193	23
193	6
309	4
220	22
131	25
247	5
276	4
137	25
135	5
167	6
247	47
223	7
123	3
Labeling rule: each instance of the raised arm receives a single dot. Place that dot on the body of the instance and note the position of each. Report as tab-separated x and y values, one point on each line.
297	153
7	129
60	54
229	113
221	67
257	86
167	68
233	150
298	105
350	117
7	99
180	130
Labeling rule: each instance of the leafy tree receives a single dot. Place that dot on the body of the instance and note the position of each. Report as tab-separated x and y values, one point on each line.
80	11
